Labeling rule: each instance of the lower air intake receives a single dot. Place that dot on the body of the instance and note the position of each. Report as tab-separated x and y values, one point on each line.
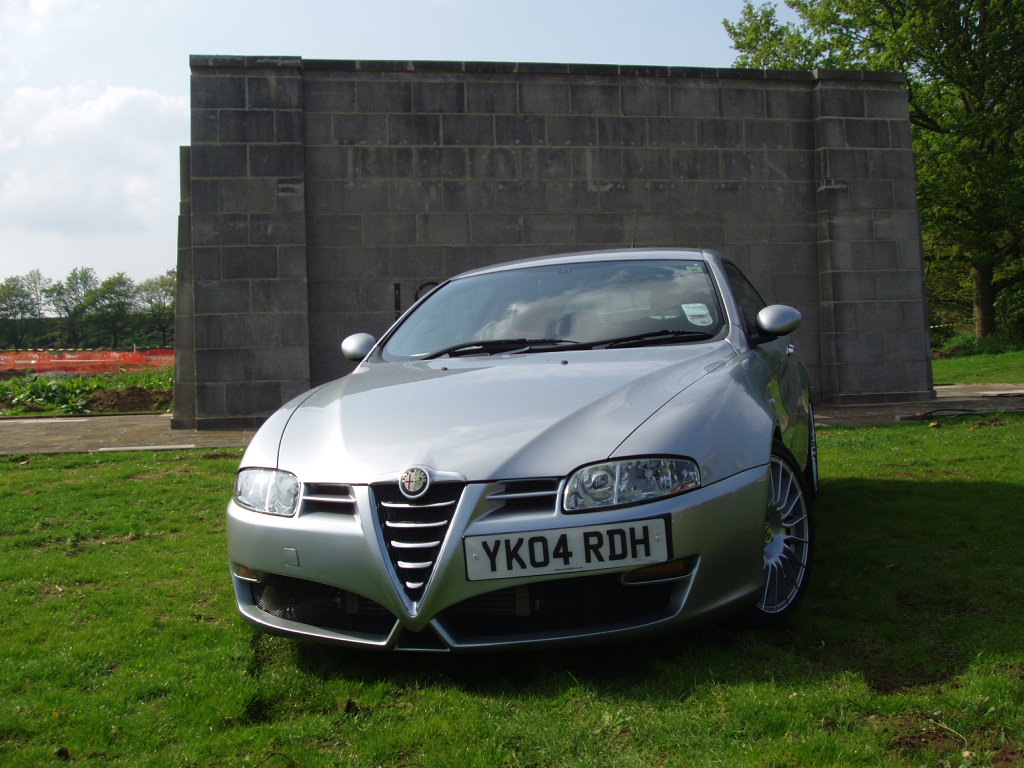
320	605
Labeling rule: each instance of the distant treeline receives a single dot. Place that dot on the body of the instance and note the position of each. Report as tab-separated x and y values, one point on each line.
82	311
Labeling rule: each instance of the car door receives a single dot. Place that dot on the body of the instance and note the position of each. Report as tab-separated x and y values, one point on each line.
783	389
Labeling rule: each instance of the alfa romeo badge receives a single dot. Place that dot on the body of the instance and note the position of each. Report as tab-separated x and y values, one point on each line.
414	482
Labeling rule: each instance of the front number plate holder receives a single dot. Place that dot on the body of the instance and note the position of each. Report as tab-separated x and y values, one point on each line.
566	550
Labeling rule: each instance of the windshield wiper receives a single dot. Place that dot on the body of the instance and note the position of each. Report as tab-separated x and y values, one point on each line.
493	347
497	346
653	337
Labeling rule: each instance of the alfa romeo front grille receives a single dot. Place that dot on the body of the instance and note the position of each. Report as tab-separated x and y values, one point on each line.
414	530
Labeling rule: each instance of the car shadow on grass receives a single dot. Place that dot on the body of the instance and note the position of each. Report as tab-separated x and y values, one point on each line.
912	581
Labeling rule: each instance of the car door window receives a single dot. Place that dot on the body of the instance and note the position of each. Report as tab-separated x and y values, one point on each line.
747	297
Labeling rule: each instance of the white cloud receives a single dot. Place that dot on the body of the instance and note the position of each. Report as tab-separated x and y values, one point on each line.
90	172
41	117
30	19
77	159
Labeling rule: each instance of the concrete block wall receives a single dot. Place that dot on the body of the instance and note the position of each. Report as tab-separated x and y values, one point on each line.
322	196
242	329
871	294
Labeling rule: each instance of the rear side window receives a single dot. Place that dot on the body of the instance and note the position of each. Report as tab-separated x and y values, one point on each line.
747	297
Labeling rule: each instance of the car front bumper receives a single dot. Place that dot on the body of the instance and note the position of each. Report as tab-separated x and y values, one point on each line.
332	573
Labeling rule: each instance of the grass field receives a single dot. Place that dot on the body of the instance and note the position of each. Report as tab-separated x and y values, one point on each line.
123	647
1005	368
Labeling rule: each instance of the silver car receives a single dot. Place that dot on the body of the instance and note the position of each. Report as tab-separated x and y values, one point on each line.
577	448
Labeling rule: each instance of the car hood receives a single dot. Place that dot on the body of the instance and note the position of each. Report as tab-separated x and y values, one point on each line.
485	418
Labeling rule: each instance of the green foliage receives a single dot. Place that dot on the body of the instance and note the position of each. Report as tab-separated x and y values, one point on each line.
68	299
123	646
70	394
1010	310
83	312
111	306
16	309
155	301
762	42
45	392
964	63
949	300
964	345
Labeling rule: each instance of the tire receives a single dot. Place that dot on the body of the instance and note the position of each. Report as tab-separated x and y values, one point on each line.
788	537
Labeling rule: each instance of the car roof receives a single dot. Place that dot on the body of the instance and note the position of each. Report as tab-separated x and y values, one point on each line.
616	254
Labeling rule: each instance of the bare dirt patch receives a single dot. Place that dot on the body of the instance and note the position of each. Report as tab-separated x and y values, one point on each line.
129	399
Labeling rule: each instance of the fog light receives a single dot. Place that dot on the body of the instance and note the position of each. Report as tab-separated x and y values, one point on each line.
670	571
244	572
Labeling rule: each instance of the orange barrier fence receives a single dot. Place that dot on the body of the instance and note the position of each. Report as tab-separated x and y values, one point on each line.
85	360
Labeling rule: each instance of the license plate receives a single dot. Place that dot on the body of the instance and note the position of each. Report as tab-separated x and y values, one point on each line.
566	550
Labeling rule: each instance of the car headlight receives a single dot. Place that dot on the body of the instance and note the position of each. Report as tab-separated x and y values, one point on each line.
628	481
267	490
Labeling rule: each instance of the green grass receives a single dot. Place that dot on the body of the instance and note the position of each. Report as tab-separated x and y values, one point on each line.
123	647
1005	368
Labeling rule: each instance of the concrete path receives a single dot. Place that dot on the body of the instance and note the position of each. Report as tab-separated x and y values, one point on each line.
951	399
92	434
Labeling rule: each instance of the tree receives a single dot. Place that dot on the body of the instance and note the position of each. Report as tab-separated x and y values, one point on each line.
81	310
39	329
111	305
155	299
37	286
964	64
15	308
68	300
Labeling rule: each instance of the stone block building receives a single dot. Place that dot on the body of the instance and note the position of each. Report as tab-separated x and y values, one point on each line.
320	198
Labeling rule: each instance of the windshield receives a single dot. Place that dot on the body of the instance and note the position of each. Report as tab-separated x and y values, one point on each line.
584	304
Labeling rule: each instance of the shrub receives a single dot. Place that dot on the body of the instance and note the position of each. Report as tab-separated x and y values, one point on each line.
72	394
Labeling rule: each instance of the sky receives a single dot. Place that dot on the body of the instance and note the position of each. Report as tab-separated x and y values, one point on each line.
94	93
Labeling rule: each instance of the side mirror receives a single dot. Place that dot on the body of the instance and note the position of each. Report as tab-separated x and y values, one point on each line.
776	320
357	346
